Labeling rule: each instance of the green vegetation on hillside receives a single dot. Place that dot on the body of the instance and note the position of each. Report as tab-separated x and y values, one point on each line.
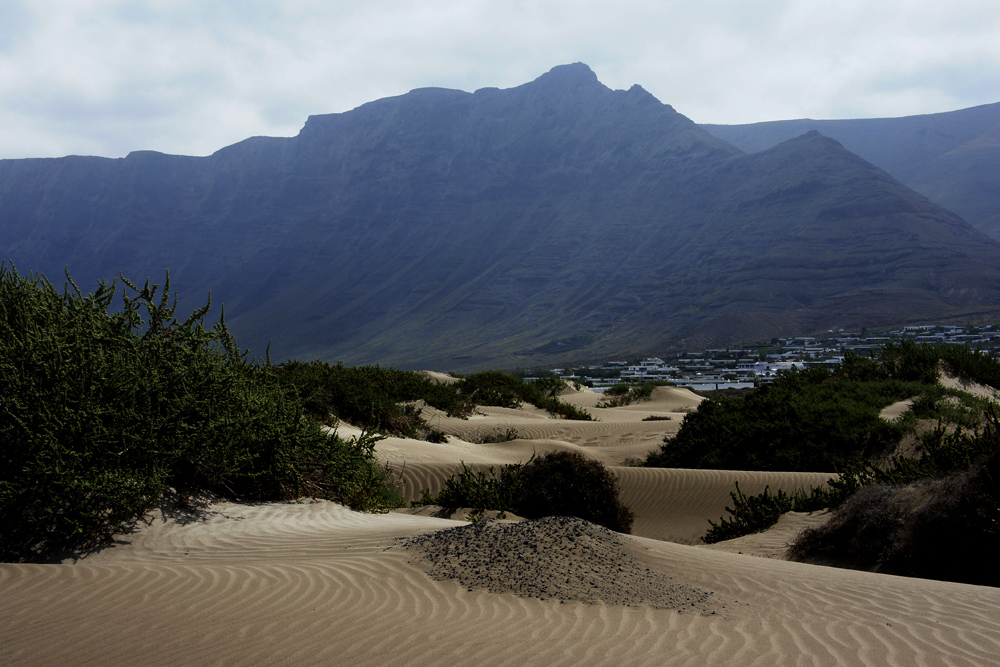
103	410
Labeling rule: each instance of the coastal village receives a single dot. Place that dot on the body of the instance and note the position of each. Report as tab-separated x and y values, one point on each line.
751	365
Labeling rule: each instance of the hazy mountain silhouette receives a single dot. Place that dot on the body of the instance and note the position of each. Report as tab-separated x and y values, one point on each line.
558	219
952	158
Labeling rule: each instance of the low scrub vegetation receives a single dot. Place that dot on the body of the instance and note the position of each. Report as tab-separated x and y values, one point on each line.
893	513
620	395
826	420
509	391
383	399
494	435
556	484
380	399
945	527
105	409
935	517
811	420
756	513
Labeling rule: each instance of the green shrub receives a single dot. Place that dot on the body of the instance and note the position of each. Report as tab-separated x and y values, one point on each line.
559	483
102	410
749	514
479	490
369	396
569	484
493	388
509	391
957	455
823	420
808	420
495	435
436	436
757	513
382	398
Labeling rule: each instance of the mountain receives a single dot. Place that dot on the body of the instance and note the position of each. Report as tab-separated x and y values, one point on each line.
951	158
552	221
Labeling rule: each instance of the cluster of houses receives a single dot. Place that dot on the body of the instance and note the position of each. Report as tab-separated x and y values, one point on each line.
761	362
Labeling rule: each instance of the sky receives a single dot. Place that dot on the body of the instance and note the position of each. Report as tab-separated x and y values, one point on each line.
106	77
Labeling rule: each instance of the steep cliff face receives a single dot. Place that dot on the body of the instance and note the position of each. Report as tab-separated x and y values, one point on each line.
506	227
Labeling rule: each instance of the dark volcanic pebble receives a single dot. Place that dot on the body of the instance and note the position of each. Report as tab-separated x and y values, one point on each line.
556	557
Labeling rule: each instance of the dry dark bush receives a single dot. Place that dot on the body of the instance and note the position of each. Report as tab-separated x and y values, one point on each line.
556	484
947	528
569	484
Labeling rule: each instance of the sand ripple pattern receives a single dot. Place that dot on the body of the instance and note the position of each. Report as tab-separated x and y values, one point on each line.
675	504
316	584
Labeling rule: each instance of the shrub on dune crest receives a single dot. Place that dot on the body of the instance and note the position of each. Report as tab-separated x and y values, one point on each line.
509	391
556	484
102	410
383	399
936	517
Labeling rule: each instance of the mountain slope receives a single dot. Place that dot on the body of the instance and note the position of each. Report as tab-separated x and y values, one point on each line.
951	158
555	220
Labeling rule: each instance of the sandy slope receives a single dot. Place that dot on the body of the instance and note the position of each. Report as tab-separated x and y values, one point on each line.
315	583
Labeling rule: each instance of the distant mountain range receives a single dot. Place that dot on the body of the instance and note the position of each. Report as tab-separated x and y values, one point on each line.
951	158
558	220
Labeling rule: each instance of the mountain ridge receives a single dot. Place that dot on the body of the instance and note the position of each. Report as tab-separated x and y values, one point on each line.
558	219
953	157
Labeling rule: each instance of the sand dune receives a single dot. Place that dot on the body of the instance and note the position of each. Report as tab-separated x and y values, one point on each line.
317	584
669	504
619	435
676	505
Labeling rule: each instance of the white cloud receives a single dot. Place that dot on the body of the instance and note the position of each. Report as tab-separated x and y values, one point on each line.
190	76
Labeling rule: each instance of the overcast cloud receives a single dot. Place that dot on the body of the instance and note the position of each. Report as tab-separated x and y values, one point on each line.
105	77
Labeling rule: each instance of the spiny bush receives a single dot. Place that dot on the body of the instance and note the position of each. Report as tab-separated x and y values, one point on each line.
559	483
102	410
479	490
750	514
757	513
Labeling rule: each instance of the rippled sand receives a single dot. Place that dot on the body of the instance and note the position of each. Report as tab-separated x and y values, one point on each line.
315	583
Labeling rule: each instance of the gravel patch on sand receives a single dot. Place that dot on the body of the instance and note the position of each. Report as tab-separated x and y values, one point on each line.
557	557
